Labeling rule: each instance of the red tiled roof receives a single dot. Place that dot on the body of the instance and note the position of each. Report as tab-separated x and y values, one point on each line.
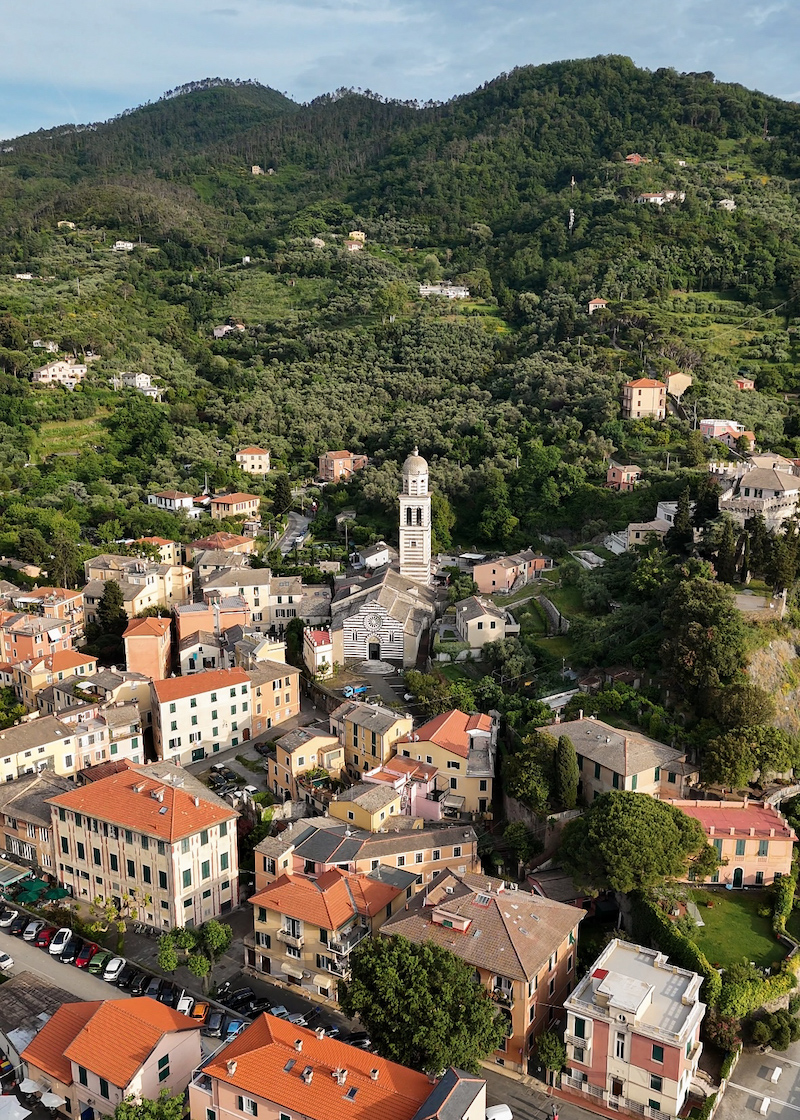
231	499
47	1049
319	637
67	659
253	451
723	817
174	495
450	731
645	383
178	688
146	628
265	1049
328	901
125	799
221	540
154	540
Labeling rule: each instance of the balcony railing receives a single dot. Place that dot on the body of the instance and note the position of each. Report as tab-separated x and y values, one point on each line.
345	943
618	1104
504	997
573	1040
296	941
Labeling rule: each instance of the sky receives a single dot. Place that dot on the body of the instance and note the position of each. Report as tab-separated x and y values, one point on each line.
70	61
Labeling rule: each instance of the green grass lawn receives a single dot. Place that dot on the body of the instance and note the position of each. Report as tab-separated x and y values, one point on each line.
734	930
568	600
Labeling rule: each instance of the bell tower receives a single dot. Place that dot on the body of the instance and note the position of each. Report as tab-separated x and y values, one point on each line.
415	520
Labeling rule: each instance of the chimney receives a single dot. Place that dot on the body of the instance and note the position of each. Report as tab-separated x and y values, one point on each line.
231	1066
307	1075
197	802
340	1075
320	1033
374	1074
580	714
298	1044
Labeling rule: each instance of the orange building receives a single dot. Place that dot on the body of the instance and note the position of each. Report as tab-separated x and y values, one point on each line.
220	542
148	647
26	638
751	838
619	477
235	505
213	617
336	465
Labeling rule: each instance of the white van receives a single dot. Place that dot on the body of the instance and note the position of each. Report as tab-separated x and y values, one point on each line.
499	1112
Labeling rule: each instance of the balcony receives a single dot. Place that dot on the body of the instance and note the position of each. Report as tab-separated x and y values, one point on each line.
296	941
344	944
581	1043
503	997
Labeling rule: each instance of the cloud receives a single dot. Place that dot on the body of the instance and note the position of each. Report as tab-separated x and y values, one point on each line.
123	54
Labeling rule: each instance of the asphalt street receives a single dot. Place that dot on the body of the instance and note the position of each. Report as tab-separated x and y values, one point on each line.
528	1102
27	958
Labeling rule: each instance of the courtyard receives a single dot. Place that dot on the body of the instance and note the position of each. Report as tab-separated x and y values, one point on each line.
734	928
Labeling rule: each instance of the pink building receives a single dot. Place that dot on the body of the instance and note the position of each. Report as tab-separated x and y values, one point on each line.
752	839
148	645
633	1033
620	477
745	384
213	616
337	465
422	791
726	431
507	571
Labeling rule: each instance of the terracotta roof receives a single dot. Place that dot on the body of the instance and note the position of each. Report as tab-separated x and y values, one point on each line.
329	901
338	455
237	497
47	1050
67	659
220	540
645	383
178	688
154	540
450	731
147	627
319	637
125	799
513	933
174	495
269	1066
738	819
253	451
104	769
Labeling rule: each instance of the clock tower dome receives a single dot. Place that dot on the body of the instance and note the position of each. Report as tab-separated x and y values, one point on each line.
415	520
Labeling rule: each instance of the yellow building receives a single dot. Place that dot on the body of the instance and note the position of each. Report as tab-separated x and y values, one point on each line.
297	752
368	733
305	929
462	748
367	805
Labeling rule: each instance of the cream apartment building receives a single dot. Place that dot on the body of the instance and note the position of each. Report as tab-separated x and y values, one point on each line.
200	715
68	744
368	733
253	460
155	835
644	398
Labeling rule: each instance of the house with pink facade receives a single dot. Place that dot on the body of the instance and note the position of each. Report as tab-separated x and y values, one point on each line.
728	432
619	477
633	1033
98	1053
752	839
509	572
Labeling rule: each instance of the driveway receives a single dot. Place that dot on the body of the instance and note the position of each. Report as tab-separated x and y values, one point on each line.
27	958
751	1082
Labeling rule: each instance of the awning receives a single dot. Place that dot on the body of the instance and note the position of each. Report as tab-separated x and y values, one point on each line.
12	873
11	1109
323	979
52	1100
453	801
28	1086
56	892
288	970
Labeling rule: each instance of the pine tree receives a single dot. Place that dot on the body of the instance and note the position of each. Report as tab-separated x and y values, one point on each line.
760	545
680	536
567	773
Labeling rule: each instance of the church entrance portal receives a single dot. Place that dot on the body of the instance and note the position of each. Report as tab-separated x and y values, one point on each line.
374	651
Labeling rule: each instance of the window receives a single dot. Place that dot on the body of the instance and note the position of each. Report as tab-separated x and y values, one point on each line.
223	861
162	880
62	813
657	774
552	986
205	869
211	1114
81	850
104	1088
249	1107
740	847
163	1068
763	847
114	861
658	1056
454	783
620	1046
615	780
436	854
483	785
172	709
401	861
82	1076
717	848
96	856
204	836
597	769
456	851
759	878
184	845
131	869
223	828
146	874
65	845
577	1053
634	781
580	1028
187	878
672	778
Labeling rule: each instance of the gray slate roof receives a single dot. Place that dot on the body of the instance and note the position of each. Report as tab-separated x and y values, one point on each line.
626	752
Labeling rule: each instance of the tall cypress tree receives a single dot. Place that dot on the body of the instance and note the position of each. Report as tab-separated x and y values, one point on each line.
567	773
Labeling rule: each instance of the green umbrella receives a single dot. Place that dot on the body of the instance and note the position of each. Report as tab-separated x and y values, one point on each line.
56	892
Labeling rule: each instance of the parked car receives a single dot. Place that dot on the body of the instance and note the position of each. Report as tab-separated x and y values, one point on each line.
355	690
331	1029
153	989
31	931
280	1012
101	958
212	1028
58	941
45	936
168	994
18	926
234	1027
88	950
359	1039
254	1007
6	962
199	1011
127	975
7	917
499	1112
139	983
263	749
69	953
113	970
185	1004
225	772
237	997
304	1019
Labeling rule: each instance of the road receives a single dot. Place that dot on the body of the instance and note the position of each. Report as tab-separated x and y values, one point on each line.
526	1102
297	526
27	958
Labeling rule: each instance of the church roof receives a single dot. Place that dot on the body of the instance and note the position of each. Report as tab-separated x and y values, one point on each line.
415	464
409	603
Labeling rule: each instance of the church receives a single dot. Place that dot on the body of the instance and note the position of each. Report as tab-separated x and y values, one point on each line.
387	615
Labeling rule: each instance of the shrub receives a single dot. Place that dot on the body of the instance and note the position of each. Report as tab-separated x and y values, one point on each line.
782	901
707	1107
550	1051
652	925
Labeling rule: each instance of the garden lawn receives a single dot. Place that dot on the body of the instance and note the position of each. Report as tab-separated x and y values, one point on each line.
734	930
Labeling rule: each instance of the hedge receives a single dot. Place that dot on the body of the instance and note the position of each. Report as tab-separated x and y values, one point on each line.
744	996
783	900
651	924
707	1107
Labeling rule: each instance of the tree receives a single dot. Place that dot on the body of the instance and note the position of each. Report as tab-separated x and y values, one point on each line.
66	562
117	912
726	553
200	966
282	495
294	640
165	1107
167	954
10	708
529	775
522	842
760	543
733	758
628	841
215	939
705	644
567	773
111	616
679	538
741	705
551	1051
421	1005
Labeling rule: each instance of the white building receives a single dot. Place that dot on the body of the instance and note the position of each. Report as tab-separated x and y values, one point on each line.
449	291
415	520
661	197
254	460
122	247
65	371
198	716
172	501
144	383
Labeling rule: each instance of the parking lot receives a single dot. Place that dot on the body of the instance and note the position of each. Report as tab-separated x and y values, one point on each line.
752	1082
